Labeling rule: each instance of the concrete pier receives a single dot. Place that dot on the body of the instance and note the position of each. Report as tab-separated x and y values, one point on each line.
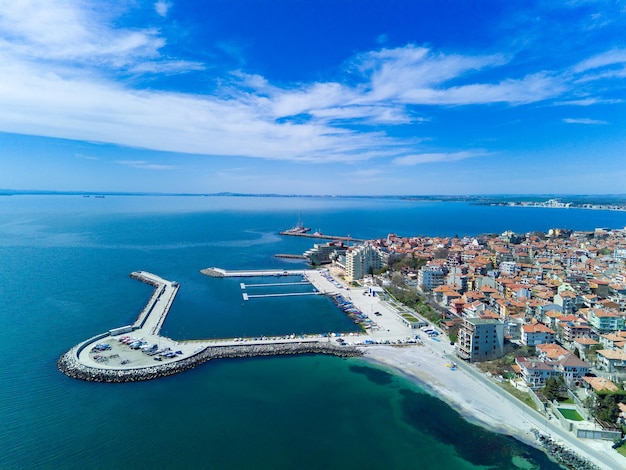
322	236
104	358
153	315
219	272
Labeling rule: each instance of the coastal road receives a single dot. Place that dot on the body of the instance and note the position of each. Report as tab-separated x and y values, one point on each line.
604	458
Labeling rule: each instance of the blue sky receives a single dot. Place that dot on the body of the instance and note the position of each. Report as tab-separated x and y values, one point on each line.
314	96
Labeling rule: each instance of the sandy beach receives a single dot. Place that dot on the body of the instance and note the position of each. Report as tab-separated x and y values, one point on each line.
482	402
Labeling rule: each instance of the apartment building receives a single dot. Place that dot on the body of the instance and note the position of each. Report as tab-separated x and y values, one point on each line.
362	260
480	339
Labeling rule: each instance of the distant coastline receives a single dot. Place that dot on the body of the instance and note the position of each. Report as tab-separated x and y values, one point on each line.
559	204
582	201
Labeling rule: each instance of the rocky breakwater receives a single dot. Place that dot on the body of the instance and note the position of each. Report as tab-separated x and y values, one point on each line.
563	455
68	363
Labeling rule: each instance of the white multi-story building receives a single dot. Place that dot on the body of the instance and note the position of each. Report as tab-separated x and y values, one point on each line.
321	252
362	260
509	268
480	339
431	277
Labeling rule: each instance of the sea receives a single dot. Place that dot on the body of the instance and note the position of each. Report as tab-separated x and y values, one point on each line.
65	262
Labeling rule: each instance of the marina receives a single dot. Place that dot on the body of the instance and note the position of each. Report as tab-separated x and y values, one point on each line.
138	351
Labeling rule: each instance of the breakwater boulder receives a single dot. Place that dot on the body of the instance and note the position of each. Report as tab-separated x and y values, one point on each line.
563	455
69	364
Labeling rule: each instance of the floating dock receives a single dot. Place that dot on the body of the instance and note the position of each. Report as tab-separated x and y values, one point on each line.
244	286
287	294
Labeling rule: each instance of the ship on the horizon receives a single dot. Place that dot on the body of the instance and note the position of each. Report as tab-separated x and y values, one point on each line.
299	228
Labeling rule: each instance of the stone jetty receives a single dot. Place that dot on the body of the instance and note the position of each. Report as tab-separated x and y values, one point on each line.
69	364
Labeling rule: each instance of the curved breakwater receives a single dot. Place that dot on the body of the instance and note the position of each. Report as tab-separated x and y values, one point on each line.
68	363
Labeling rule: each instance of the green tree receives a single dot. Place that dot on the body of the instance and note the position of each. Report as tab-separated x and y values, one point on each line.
606	408
551	389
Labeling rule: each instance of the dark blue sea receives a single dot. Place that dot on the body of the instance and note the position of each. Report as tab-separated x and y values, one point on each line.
64	276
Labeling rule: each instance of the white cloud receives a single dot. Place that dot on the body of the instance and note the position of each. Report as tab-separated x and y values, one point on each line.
162	7
48	90
584	121
66	30
609	58
404	72
418	159
587	102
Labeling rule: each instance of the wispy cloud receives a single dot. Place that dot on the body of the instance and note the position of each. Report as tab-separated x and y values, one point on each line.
584	121
57	59
417	159
85	157
608	58
162	7
587	102
145	165
66	30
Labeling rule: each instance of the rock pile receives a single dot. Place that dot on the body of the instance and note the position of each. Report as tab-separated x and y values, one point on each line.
562	454
68	363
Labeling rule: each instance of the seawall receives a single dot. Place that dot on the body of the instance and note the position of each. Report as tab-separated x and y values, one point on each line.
68	363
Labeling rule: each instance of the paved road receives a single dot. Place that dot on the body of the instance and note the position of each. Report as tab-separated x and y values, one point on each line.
543	424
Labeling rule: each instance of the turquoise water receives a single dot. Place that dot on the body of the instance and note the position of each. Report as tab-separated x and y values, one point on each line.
65	262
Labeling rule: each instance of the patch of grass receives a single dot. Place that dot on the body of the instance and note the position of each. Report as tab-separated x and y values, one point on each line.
622	449
524	397
570	414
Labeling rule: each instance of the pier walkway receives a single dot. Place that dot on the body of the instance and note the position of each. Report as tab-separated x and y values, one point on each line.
159	304
219	272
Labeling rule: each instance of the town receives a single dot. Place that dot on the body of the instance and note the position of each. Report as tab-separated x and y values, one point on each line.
543	312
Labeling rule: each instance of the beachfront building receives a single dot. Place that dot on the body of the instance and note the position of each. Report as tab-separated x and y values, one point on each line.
362	260
480	339
321	252
534	372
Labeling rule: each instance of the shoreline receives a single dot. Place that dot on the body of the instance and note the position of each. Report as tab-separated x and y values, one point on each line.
483	405
421	374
